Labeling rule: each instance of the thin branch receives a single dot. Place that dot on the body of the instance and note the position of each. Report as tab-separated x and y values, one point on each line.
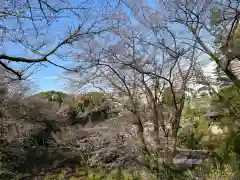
19	75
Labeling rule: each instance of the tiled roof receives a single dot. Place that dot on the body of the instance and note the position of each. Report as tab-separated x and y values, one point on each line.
212	113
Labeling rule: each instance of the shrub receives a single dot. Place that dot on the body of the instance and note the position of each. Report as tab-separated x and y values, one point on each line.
194	133
54	96
212	170
87	106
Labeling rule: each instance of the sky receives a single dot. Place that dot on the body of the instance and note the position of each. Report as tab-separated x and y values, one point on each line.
48	78
44	78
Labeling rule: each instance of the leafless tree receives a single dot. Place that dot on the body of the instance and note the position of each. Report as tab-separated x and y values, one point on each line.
214	25
20	89
141	65
37	31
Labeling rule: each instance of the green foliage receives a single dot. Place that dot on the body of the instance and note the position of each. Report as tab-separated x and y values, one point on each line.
73	112
212	170
55	96
86	102
220	173
168	97
188	100
120	174
228	105
228	101
6	168
216	15
201	105
194	133
97	174
220	29
204	95
195	110
97	97
60	176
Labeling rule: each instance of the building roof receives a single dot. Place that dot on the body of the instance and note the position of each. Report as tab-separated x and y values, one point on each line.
203	88
212	114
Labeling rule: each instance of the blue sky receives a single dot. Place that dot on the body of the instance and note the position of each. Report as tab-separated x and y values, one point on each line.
47	78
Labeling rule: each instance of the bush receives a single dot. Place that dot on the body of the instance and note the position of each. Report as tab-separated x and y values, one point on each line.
212	170
195	133
54	96
90	105
100	174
